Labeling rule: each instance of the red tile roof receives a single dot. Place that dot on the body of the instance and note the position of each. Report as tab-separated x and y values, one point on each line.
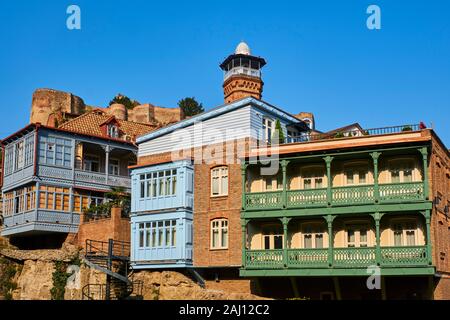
90	124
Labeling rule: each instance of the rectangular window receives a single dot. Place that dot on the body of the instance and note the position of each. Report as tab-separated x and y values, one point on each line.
141	235
55	151
268	128
158	184
114	167
19	155
219	234
91	163
219	181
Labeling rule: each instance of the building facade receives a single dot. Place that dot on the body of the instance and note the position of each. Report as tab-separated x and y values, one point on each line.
338	206
53	175
346	208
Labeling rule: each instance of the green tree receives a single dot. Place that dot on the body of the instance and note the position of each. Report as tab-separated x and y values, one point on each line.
127	102
278	134
190	106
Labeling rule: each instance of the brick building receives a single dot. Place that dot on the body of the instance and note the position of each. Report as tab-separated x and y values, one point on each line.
333	205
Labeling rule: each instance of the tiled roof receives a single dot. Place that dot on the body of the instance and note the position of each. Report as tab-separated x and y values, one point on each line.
90	124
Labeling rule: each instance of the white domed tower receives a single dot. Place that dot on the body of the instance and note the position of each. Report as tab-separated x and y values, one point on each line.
242	74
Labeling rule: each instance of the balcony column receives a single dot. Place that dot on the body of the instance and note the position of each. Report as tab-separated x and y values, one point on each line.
244	223
376	187
427	215
329	218
328	160
106	148
377	217
285	222
284	164
244	166
424	152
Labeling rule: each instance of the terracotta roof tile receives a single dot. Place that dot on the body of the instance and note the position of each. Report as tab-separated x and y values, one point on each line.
90	124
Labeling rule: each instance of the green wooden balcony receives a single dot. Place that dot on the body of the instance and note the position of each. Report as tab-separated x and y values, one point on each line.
413	256
340	196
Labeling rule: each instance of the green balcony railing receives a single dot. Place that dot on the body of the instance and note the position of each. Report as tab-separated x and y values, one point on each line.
353	194
401	191
306	198
308	258
354	257
263	200
348	195
408	256
394	256
264	259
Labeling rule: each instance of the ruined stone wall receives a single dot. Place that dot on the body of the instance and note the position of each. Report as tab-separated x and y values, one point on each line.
49	106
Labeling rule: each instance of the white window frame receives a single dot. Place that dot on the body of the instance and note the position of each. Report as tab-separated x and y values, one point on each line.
356	169
404	222
220	226
276	182
113	131
315	227
20	155
268	127
114	167
218	174
399	164
270	232
313	173
356	227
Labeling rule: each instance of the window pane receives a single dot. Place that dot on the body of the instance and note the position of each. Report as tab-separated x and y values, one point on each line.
215	238
351	238
225	237
307	183
278	242
215	186
225	182
407	175
268	183
349	177
319	183
266	242
362	177
398	237
363	237
395	176
410	238
174	235
141	238
308	241
319	241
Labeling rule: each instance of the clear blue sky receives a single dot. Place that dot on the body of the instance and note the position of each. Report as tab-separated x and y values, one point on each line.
321	57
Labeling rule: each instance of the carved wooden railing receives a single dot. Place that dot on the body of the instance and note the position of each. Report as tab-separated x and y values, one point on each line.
266	259
348	195
306	198
307	258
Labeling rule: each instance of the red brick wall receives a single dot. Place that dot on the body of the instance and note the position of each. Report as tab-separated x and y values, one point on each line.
442	289
439	174
116	228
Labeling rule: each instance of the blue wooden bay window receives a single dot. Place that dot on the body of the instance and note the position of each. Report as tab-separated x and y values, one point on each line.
55	151
162	240
162	187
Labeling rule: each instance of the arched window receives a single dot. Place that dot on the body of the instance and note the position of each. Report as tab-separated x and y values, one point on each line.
219	181
219	234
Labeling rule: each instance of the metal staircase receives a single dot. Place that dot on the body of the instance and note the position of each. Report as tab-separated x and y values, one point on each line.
111	258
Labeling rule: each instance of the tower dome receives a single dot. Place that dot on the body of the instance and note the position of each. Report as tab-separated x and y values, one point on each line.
242	48
242	74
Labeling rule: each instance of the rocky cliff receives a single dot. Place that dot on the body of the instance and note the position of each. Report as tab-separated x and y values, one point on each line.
33	278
